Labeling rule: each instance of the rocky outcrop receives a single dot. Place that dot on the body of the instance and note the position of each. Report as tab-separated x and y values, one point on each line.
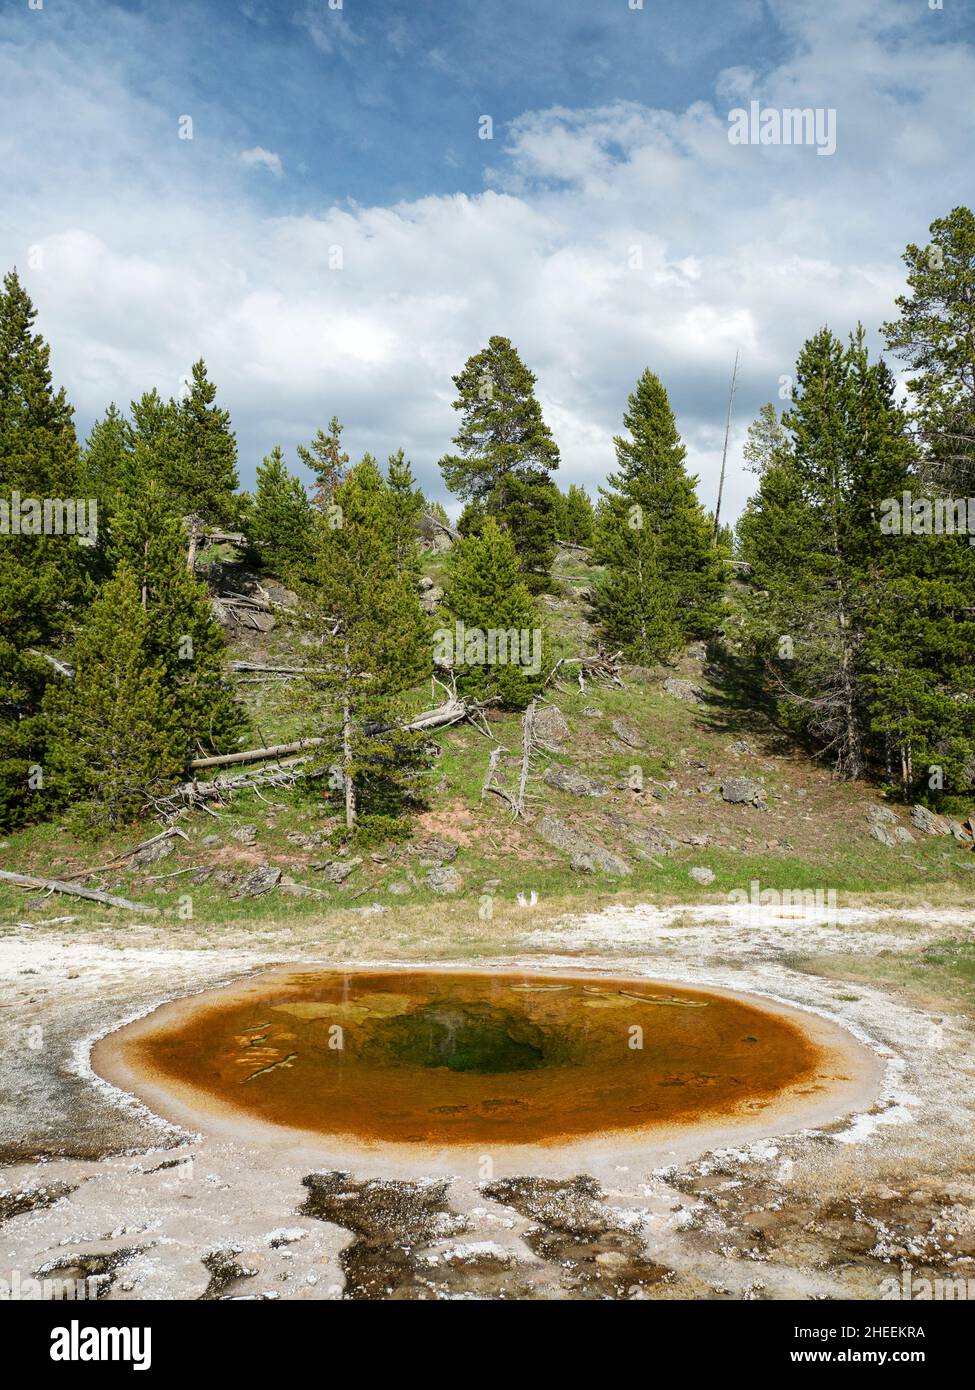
259	881
444	880
587	855
551	726
433	851
744	791
576	783
627	735
687	691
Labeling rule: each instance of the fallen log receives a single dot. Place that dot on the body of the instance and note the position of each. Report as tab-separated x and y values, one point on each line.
62	667
280	670
452	711
255	755
199	793
58	885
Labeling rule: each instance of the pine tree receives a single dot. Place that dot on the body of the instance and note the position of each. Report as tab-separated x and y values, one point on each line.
327	461
818	554
635	601
529	518
281	521
575	516
935	335
506	453
183	636
41	576
499	651
153	451
207	458
405	509
674	573
372	639
105	458
115	740
472	518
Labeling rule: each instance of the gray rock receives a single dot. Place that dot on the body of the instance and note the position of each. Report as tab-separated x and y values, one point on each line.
246	835
649	841
571	780
433	851
880	832
551	725
277	593
697	651
959	832
701	875
740	748
883	814
424	583
431	598
399	890
744	791
338	870
901	833
152	854
926	821
259	881
687	691
627	734
444	880
591	712
372	910
211	841
556	833
307	839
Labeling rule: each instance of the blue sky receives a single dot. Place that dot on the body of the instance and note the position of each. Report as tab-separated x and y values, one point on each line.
609	225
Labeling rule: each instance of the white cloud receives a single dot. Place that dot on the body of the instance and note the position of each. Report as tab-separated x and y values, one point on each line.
152	261
261	158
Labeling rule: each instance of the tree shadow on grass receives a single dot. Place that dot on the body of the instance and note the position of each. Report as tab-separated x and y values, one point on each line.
742	705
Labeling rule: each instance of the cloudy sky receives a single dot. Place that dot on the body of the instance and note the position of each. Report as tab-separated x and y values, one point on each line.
607	226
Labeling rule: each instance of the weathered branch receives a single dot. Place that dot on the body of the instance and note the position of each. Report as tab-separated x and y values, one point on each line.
57	885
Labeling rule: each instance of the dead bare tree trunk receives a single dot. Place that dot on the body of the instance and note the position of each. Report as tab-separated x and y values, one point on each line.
346	765
724	456
74	890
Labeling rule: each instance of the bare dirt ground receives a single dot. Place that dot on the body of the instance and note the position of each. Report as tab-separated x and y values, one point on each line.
94	1183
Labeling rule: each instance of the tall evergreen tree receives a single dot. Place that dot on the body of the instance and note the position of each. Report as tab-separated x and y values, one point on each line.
575	516
405	509
819	557
281	519
506	453
115	737
673	575
182	634
372	640
327	461
105	457
41	576
485	591
207	458
935	335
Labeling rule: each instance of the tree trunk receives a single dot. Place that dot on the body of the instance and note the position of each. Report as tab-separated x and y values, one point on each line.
346	765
